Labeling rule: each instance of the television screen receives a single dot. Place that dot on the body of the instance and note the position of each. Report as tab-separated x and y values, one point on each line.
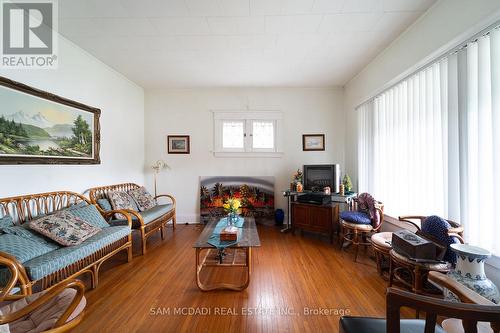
317	177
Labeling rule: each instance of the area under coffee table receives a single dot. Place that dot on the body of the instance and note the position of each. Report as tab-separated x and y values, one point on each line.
237	255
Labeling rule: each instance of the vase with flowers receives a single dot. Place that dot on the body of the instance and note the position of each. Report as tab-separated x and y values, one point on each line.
231	207
297	180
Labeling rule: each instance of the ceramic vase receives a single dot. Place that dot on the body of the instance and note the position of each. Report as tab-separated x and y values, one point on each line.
232	218
469	271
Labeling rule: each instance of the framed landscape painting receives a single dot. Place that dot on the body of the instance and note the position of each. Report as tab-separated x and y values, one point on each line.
178	144
37	127
313	142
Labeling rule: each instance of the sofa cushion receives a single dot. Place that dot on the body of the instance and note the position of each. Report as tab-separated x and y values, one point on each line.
77	205
148	216
21	248
24	231
142	198
5	327
6	222
44	317
438	228
53	261
104	204
91	215
355	217
121	200
64	228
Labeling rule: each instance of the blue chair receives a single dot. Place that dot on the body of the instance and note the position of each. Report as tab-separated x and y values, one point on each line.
364	217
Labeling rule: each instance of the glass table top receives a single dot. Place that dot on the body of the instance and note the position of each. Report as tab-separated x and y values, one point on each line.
249	237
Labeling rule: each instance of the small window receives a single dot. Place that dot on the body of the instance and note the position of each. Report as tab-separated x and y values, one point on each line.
262	134
247	133
233	133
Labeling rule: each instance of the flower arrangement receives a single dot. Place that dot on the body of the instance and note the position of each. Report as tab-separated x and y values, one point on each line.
232	205
297	176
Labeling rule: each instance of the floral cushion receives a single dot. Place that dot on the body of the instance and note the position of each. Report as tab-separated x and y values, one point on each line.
142	198
64	228
121	200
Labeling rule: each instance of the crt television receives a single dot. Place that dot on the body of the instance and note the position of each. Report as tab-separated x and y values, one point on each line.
318	176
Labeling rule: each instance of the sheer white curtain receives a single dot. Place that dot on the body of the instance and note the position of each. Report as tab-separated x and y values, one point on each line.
475	97
402	145
431	143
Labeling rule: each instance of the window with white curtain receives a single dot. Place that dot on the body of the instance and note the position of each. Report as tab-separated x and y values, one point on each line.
431	143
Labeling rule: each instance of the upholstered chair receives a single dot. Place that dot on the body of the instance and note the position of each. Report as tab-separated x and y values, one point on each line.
57	309
465	315
363	218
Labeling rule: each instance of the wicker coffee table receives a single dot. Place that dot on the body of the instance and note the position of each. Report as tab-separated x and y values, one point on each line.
238	255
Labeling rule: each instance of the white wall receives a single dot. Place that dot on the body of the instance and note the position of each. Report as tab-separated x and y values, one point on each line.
187	111
446	24
83	78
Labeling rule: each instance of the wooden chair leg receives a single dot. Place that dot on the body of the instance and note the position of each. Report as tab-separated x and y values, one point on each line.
129	253
143	241
379	262
356	244
341	237
162	232
174	222
391	272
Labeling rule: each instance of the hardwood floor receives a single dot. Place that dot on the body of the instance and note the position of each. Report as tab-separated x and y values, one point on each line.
291	274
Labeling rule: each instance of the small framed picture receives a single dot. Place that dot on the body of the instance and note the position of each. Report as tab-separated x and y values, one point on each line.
313	142
178	144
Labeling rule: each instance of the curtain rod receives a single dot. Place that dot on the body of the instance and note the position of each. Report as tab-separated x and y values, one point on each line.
453	50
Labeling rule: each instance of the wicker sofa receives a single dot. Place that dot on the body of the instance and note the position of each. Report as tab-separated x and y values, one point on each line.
44	269
147	222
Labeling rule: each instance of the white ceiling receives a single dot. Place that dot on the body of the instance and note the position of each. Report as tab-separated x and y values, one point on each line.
201	43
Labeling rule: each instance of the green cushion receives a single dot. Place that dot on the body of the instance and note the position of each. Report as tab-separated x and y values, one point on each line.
148	215
77	205
104	204
46	264
24	231
21	248
91	215
155	212
6	222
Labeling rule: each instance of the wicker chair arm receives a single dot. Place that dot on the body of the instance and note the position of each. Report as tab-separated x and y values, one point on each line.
47	296
456	230
166	196
408	218
16	268
126	212
380	210
14	275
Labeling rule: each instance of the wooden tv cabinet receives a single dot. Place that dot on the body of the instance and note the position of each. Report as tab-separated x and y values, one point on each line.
315	218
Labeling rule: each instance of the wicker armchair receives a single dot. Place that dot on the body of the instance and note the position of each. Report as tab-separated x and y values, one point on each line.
413	275
58	309
145	227
355	232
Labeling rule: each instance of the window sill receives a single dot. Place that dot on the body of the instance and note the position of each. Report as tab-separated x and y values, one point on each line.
249	154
